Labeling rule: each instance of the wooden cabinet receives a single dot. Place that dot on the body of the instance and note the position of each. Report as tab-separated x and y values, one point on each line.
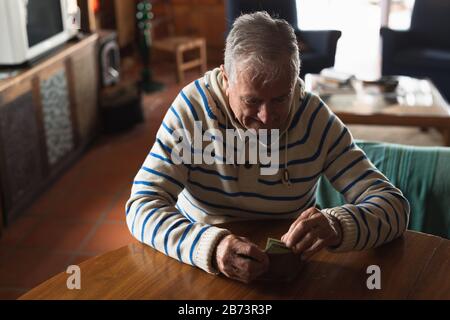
48	115
125	12
205	18
117	15
21	152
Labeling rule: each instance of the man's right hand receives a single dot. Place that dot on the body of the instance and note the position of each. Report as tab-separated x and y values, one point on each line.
239	259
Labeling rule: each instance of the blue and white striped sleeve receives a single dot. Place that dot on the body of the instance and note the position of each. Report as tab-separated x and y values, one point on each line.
376	211
151	213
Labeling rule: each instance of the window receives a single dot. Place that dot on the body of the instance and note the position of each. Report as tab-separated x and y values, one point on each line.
358	50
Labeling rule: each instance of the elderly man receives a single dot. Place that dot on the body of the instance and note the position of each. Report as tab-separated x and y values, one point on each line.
176	205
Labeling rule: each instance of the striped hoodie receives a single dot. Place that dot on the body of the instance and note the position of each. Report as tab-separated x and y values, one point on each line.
175	208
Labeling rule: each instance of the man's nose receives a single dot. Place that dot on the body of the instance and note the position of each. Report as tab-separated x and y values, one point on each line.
264	114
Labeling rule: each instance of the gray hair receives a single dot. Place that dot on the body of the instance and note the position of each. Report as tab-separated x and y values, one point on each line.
263	45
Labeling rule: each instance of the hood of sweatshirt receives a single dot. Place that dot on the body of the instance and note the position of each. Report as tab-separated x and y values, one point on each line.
214	83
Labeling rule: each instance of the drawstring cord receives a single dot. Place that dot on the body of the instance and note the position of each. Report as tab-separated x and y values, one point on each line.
286	178
226	128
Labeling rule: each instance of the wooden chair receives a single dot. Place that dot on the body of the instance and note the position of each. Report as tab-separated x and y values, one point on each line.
178	45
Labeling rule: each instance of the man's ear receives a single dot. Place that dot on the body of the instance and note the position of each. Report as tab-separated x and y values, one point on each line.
225	78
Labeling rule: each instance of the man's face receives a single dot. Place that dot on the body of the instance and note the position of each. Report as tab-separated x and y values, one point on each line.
257	105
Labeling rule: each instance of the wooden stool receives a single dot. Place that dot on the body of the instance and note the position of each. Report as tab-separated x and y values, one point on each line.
178	45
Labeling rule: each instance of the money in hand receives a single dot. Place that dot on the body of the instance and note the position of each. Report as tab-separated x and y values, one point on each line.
284	264
276	246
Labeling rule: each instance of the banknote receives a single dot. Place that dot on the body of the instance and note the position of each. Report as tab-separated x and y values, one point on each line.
276	246
284	264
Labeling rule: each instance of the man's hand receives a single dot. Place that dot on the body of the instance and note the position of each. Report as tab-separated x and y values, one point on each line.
312	232
239	259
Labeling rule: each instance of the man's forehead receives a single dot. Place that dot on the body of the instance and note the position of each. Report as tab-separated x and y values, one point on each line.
262	79
247	84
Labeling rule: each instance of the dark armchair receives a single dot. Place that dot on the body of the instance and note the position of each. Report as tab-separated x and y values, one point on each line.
423	51
317	48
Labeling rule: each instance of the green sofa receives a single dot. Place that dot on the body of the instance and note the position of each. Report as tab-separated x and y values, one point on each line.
421	173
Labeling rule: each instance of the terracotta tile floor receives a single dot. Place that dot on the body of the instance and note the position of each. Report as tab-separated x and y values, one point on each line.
82	214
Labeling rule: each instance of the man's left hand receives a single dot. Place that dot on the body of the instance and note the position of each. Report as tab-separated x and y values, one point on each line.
312	232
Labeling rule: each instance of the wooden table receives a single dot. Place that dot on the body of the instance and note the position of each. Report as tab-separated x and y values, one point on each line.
415	102
413	267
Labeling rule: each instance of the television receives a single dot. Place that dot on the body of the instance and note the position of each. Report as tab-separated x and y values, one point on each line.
31	28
